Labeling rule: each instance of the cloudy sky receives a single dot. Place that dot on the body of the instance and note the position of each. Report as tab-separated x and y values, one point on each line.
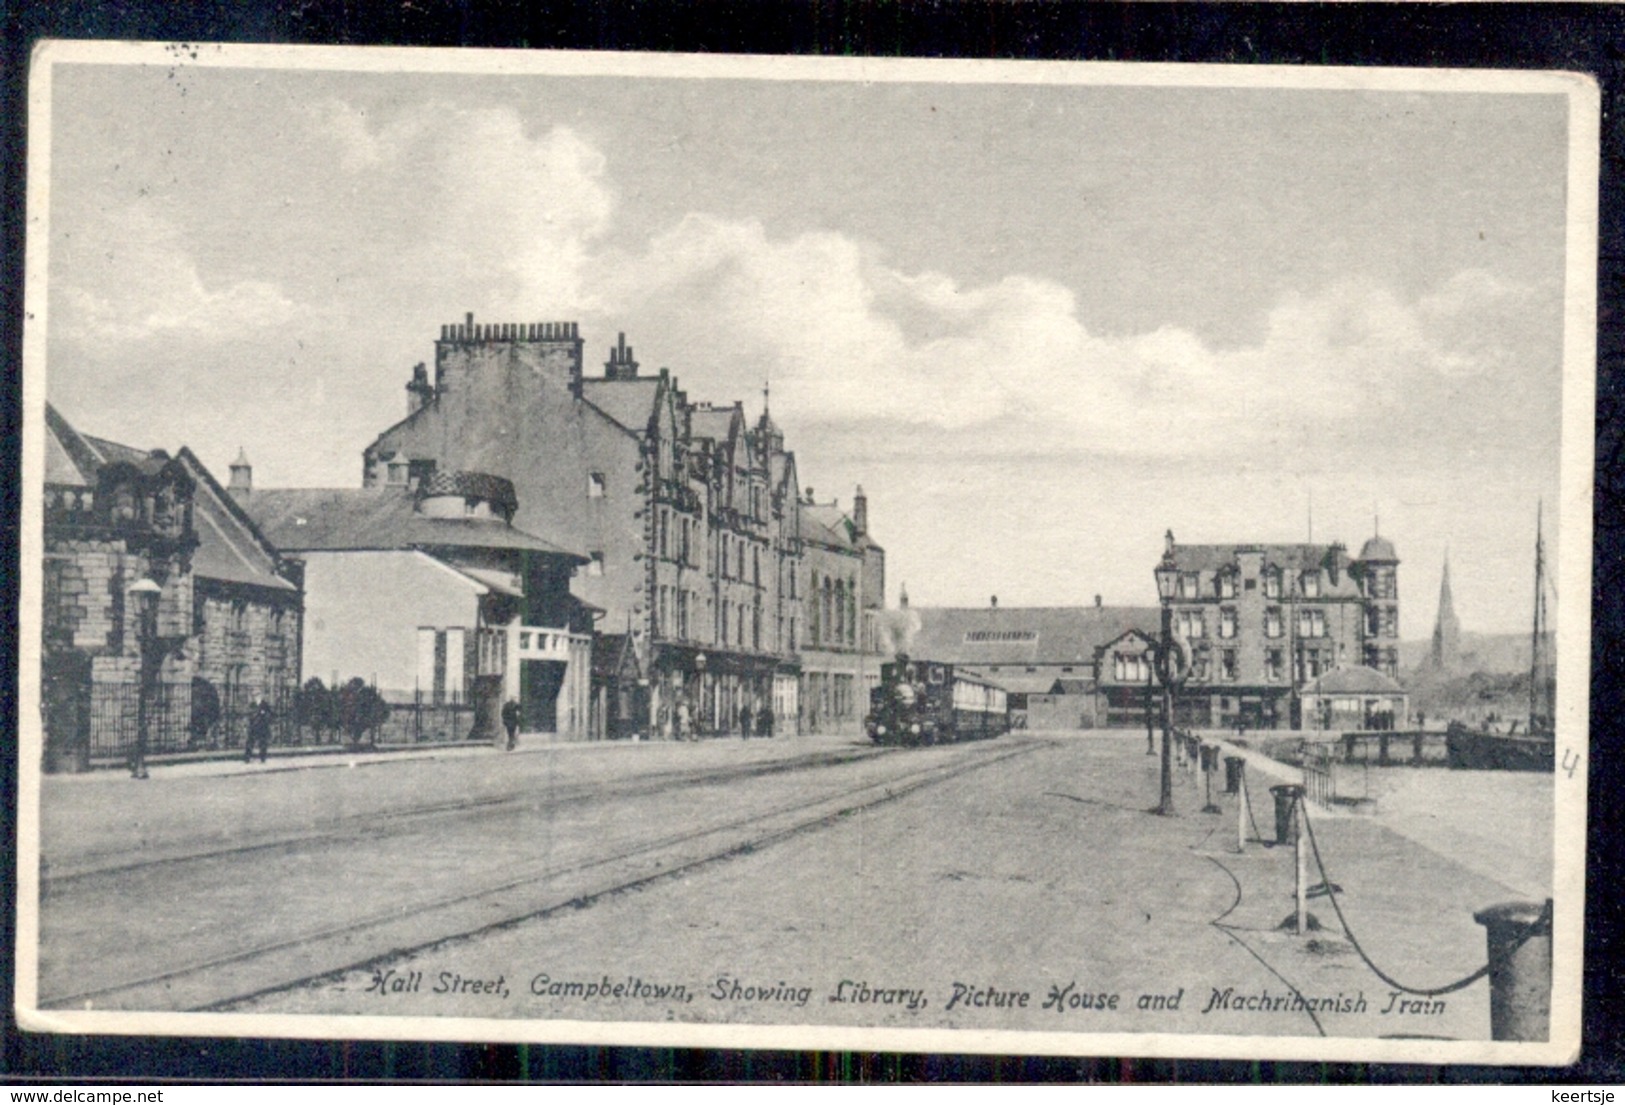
1040	322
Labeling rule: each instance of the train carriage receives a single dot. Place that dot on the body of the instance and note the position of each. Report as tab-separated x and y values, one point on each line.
922	702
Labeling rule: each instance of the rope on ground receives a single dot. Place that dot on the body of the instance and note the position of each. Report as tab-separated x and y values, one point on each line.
1535	926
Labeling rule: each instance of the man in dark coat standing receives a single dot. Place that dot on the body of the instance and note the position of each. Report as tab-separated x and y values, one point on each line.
259	732
510	722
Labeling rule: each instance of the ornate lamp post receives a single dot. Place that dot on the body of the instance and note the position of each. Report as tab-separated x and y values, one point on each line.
1171	668
144	593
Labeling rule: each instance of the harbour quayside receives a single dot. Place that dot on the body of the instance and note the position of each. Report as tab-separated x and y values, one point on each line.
1479	748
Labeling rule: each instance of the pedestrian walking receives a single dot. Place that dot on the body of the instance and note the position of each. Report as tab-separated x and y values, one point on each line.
685	730
510	722
744	721
259	732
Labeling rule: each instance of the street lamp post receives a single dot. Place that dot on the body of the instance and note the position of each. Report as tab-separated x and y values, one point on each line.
1167	575
145	593
700	661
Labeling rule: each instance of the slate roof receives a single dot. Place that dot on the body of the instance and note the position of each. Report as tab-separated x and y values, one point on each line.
826	524
1025	634
332	519
1291	557
1354	679
1378	548
230	548
715	423
630	403
474	485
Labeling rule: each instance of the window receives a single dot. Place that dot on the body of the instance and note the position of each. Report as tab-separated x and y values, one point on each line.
431	667
595	485
1252	585
1272	665
1310	582
1227	620
1227	585
595	564
1188	624
1272	583
1190	585
1129	667
1311	623
1272	621
1227	665
455	661
1390	622
987	636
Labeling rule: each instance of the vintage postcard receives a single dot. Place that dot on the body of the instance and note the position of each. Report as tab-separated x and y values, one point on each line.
796	552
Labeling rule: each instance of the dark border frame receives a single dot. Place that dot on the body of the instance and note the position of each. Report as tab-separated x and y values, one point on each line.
1587	38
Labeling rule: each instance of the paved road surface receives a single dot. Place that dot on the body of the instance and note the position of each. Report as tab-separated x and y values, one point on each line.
819	882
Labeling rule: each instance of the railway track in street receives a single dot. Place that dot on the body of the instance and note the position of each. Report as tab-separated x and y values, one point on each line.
221	974
65	871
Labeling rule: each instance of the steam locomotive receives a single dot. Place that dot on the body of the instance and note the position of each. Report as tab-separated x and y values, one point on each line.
920	702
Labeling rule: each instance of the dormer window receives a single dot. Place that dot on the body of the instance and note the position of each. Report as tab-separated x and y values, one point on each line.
1227	585
1272	583
1311	584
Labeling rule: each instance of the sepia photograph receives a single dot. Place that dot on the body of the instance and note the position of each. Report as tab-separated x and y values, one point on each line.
784	552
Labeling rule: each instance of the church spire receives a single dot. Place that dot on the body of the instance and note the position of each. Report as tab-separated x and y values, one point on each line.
1446	629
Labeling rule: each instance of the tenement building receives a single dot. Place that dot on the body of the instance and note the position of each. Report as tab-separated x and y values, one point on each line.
167	614
1262	623
725	597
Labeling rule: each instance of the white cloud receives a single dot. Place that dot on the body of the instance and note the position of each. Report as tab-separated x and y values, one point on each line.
846	337
494	209
139	281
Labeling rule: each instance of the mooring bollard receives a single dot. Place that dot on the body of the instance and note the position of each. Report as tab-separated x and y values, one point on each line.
1519	939
1233	768
1286	799
1210	764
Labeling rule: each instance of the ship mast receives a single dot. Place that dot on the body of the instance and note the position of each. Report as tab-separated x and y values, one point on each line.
1542	707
